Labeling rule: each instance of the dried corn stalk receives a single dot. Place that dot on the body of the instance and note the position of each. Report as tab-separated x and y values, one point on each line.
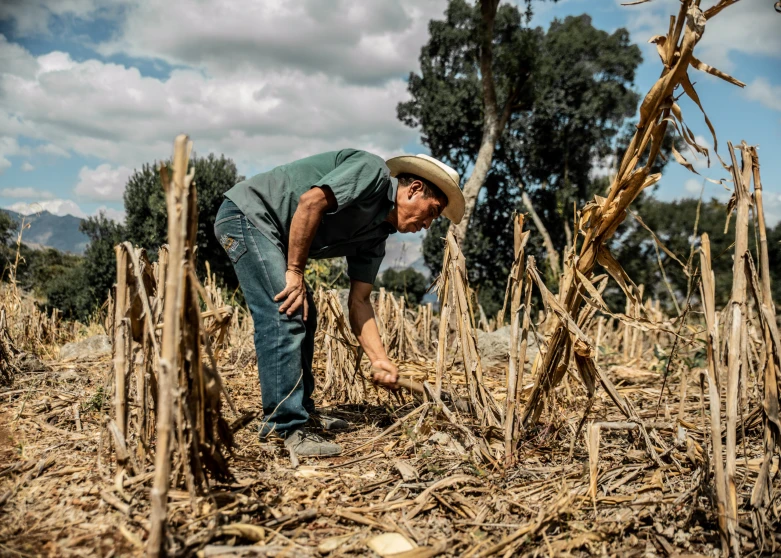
515	370
600	218
7	353
344	381
762	494
707	292
176	375
422	325
736	334
454	294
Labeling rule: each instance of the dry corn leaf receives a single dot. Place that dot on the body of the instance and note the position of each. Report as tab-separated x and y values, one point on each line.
659	243
254	533
407	471
309	471
390	543
332	543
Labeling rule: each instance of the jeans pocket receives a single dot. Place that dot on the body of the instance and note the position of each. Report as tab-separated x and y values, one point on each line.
229	232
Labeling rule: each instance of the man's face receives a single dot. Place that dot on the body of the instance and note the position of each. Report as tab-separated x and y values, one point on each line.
413	211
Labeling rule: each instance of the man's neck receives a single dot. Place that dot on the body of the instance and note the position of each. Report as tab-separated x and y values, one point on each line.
393	218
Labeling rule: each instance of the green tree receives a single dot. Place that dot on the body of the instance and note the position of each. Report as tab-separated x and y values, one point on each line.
74	303
147	214
405	282
7	228
474	78
576	104
100	262
37	267
673	223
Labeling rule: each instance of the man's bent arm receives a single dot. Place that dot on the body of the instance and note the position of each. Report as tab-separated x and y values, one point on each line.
312	205
365	328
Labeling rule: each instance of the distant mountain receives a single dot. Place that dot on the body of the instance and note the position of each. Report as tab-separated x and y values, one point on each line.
52	231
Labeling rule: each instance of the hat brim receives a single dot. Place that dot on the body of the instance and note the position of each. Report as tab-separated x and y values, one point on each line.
437	176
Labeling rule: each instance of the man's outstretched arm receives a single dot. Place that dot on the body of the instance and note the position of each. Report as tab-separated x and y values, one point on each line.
365	328
312	206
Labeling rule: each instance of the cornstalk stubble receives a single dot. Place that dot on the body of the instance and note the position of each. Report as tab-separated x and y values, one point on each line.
177	190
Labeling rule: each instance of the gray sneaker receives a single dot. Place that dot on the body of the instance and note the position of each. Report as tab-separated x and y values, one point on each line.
305	443
331	424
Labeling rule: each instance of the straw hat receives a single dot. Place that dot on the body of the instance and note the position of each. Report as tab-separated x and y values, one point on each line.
436	172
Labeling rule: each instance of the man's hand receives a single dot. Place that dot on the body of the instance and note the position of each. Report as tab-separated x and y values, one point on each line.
294	294
384	372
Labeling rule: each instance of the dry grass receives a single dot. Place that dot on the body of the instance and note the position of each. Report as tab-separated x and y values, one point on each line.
406	470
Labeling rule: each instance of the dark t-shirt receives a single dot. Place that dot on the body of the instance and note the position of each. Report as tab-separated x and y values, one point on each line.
364	193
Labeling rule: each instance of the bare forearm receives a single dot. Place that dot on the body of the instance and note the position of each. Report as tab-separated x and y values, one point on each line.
365	328
311	207
302	232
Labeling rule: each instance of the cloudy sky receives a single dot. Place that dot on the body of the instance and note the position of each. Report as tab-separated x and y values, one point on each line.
91	89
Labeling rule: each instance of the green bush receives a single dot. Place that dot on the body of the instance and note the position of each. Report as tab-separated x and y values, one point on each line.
407	282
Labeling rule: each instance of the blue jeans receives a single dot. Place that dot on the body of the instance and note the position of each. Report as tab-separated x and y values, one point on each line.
284	345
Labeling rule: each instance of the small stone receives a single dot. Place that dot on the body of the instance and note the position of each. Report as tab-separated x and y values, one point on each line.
96	345
390	543
332	543
30	363
494	347
440	438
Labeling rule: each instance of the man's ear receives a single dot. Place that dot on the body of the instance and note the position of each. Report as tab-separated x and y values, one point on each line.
415	187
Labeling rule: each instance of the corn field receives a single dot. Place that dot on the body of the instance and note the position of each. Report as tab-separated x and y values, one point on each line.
599	432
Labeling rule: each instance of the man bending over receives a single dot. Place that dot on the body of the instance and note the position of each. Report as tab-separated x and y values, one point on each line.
340	203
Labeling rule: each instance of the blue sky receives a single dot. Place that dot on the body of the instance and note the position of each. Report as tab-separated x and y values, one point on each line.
91	89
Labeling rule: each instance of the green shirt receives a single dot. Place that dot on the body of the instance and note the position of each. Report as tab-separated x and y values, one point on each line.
364	192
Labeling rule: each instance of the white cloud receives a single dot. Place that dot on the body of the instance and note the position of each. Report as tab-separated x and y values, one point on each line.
8	148
749	27
27	166
33	16
693	186
361	42
771	203
258	117
54	150
111	213
103	182
56	207
401	250
765	92
28	193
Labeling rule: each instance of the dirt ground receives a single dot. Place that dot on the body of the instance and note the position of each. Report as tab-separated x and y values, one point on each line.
406	472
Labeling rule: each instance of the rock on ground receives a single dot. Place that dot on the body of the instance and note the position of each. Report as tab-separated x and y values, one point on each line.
91	346
495	346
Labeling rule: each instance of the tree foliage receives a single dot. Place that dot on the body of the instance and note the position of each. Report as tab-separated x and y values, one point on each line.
574	106
7	228
405	282
147	214
673	222
100	267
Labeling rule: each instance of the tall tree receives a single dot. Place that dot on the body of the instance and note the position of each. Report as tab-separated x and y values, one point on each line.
147	215
7	228
583	98
579	99
474	74
100	268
